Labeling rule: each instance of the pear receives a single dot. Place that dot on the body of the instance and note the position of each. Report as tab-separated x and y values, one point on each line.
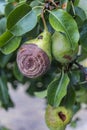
61	48
34	56
57	118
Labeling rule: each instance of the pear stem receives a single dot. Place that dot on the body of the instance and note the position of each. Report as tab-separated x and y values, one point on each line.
43	19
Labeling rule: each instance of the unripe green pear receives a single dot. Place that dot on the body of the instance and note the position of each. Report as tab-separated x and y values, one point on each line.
34	56
57	118
61	48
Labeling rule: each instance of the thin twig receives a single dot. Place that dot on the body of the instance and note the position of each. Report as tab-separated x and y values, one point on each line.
43	19
82	69
80	66
52	1
82	83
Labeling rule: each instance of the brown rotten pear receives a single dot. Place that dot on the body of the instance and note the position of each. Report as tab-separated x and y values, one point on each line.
34	57
62	49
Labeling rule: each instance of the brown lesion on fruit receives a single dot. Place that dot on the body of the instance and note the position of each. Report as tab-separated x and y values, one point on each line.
62	116
67	57
64	6
15	3
40	37
22	49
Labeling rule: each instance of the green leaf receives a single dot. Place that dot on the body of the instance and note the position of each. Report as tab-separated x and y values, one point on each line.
32	88
4	95
83	5
79	21
57	89
36	3
83	35
62	89
25	25
74	77
2	25
69	99
41	94
8	8
52	90
81	95
15	15
38	10
9	43
73	123
2	6
61	21
3	90
76	2
4	59
17	73
84	54
12	45
5	37
63	1
20	23
80	12
76	107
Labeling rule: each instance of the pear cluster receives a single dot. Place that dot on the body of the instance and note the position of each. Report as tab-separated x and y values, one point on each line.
34	57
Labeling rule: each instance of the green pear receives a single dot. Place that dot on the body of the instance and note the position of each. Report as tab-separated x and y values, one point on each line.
34	56
57	118
61	48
